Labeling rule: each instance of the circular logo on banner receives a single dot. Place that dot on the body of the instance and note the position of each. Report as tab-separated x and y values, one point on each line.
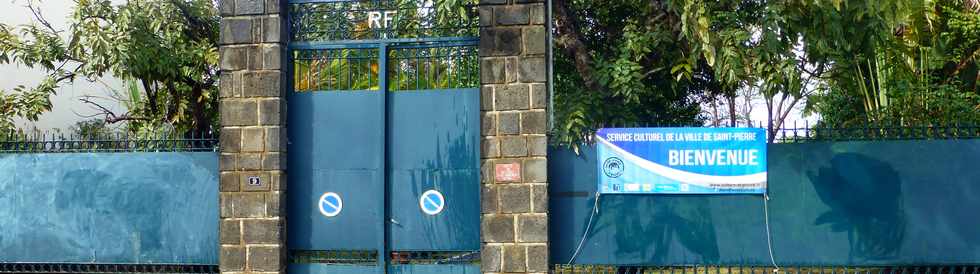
432	202
612	167
330	204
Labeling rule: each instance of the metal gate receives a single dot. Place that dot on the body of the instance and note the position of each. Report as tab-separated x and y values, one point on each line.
383	137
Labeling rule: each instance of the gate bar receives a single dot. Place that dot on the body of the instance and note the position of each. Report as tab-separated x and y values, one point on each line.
370	43
383	88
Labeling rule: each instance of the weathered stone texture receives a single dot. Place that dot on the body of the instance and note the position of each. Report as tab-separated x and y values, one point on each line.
514	103
252	123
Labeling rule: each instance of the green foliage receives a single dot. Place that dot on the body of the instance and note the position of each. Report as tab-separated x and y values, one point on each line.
408	69
24	102
338	69
643	61
918	67
848	61
91	128
168	46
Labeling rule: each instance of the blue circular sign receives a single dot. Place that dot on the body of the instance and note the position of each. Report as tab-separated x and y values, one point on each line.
432	202
330	204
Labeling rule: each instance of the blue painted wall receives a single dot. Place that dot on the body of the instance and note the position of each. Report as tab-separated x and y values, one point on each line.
832	203
109	208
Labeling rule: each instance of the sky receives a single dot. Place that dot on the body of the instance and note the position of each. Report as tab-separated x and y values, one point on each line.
67	109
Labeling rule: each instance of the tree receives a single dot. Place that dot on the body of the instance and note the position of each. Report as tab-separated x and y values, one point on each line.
685	52
918	67
94	128
624	63
848	61
167	47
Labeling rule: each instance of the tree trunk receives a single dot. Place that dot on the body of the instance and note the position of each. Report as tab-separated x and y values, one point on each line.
151	96
732	115
202	125
569	41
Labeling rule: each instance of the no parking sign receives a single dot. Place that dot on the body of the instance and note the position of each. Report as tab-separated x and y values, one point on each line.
432	202
330	204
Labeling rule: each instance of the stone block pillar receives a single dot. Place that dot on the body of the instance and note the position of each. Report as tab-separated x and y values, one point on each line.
514	143
253	147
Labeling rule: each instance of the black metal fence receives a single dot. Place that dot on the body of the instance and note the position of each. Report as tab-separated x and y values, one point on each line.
435	257
370	257
808	132
105	268
877	132
605	269
349	257
14	142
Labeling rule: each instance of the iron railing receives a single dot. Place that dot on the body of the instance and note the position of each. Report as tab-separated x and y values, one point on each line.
370	257
433	66
874	132
410	66
336	69
105	268
435	257
349	20
346	257
12	142
806	132
608	269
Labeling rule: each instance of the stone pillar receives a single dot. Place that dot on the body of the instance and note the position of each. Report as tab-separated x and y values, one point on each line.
514	143
253	148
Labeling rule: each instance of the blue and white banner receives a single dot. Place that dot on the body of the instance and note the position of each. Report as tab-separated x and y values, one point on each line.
681	160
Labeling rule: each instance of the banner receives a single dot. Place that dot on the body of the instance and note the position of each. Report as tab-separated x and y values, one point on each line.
681	160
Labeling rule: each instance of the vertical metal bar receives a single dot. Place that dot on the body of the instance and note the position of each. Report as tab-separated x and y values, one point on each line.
341	58
550	71
360	71
350	57
311	61
383	88
418	66
435	67
453	79
315	69
374	79
795	135
394	59
464	80
430	55
328	71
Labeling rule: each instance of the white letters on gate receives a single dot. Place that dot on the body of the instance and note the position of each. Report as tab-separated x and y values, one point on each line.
374	19
381	19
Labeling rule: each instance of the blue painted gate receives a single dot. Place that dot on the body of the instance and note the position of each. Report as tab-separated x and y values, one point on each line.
383	140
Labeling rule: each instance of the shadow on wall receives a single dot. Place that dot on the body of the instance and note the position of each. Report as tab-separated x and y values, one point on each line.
133	220
117	208
673	222
865	200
